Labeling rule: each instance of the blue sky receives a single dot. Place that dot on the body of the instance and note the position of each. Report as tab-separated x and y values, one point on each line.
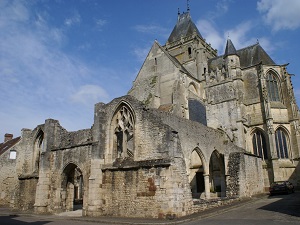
60	57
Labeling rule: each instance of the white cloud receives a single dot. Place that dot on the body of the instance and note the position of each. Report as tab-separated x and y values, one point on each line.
240	35
280	14
89	95
141	53
74	19
221	8
101	22
38	79
12	11
210	33
152	29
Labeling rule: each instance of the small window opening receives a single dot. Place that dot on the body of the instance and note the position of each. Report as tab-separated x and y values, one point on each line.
12	154
190	51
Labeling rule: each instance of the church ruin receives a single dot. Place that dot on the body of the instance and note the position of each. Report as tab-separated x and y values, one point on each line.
195	126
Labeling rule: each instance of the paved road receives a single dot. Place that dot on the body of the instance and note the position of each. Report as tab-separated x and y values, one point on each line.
279	209
275	210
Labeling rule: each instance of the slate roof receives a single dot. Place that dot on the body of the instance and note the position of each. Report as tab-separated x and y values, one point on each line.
7	145
184	27
253	55
230	49
249	56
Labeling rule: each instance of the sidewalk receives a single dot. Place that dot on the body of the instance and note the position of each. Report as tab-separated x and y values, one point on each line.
75	215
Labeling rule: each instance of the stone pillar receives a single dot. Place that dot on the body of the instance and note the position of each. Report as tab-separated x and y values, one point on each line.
223	186
42	194
95	195
207	186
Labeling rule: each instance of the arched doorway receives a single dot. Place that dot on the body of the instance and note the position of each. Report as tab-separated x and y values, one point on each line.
217	175
72	188
196	175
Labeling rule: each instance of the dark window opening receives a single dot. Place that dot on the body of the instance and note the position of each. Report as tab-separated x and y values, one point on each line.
259	145
281	144
190	51
272	86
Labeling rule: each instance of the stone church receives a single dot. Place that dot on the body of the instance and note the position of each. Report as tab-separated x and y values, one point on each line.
196	128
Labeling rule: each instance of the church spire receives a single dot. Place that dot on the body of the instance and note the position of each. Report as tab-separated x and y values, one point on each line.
230	49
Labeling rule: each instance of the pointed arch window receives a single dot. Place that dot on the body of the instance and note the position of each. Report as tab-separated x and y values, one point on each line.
124	133
259	145
38	148
282	144
273	88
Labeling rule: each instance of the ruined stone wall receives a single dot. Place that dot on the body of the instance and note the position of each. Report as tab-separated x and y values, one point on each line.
245	175
59	160
152	183
157	192
193	134
24	198
8	178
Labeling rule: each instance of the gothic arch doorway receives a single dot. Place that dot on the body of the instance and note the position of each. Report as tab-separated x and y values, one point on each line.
72	188
217	175
196	175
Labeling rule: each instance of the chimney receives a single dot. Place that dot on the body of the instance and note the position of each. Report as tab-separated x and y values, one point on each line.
8	137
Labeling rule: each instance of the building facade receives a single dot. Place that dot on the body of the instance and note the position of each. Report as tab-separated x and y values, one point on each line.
194	126
243	92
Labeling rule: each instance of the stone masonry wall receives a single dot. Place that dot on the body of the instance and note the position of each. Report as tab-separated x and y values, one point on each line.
245	175
157	192
24	198
153	183
8	178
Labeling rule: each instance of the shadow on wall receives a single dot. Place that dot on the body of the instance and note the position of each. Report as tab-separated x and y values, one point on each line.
13	220
295	177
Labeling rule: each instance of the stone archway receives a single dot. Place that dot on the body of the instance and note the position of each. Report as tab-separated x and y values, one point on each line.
72	188
217	175
197	173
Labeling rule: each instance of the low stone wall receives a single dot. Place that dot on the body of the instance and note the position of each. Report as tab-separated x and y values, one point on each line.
202	204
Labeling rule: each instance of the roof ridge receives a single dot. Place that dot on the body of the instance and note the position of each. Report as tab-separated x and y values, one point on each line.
8	144
250	46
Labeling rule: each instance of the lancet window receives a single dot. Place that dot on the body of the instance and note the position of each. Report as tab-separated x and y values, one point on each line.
259	145
281	144
273	88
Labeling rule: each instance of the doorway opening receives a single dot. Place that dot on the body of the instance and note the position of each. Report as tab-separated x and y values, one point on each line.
72	188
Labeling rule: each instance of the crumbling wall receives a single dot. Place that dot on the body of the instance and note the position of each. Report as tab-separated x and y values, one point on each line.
157	191
8	178
24	198
153	183
245	175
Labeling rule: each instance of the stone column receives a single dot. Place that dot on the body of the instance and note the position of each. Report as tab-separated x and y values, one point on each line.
223	186
207	186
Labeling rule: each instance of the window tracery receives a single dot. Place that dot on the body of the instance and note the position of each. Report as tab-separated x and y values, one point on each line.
124	133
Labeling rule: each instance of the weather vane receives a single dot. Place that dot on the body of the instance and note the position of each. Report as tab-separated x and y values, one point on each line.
188	5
